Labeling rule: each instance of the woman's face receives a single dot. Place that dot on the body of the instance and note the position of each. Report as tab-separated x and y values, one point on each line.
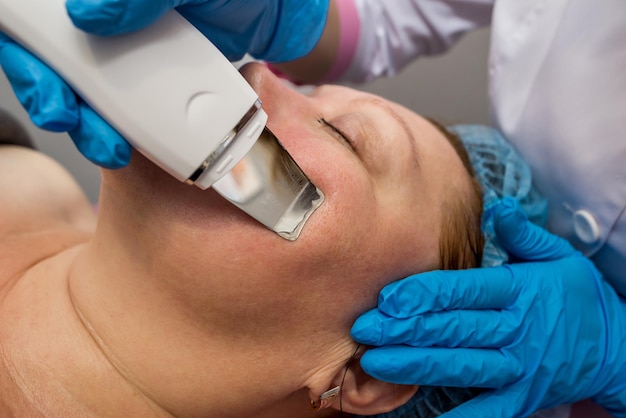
385	173
384	170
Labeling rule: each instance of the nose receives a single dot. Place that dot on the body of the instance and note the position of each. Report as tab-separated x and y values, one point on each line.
278	98
259	76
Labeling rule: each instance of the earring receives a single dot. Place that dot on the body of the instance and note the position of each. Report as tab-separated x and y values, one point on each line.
326	399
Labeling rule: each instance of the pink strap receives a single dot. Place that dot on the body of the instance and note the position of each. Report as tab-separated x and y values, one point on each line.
349	28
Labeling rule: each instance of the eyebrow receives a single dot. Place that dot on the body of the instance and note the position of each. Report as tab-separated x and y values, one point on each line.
374	101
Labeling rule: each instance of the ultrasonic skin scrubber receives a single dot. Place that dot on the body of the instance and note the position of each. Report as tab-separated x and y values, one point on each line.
178	101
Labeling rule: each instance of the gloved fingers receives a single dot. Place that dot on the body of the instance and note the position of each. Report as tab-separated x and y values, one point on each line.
52	105
453	367
507	402
459	328
524	239
435	291
113	17
98	141
49	101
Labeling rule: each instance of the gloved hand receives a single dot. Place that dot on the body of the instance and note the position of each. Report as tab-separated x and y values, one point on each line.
53	106
540	333
273	30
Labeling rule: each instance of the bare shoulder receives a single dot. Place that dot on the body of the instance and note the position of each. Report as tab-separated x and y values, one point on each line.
36	191
33	187
42	208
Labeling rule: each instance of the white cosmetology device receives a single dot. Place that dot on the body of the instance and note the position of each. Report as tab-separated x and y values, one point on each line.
178	101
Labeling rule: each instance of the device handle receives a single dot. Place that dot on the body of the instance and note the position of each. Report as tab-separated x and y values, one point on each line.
167	89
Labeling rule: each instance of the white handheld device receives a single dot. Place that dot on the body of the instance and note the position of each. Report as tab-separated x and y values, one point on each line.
177	100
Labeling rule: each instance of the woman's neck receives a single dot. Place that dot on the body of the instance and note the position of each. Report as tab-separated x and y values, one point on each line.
173	351
172	296
52	365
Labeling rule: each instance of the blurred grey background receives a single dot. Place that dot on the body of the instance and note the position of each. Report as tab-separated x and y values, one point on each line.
451	88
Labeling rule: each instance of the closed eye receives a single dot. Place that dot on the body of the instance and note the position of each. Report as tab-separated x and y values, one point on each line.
337	132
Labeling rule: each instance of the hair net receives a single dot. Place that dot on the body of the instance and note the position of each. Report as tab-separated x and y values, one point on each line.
501	172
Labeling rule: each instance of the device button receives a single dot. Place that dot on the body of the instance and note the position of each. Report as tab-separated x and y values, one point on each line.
586	227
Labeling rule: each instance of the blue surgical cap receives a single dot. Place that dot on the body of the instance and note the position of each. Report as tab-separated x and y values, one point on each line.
501	172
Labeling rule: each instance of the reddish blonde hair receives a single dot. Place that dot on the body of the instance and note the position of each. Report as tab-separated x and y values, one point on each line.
462	241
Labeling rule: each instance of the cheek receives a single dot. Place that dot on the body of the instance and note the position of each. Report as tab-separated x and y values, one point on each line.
364	221
410	224
341	229
345	219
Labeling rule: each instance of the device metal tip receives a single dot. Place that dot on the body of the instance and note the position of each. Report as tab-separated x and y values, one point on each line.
268	185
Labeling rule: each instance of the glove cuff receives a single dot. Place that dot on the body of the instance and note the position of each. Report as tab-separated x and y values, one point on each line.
299	27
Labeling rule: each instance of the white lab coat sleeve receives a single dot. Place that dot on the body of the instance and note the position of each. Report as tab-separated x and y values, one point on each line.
392	33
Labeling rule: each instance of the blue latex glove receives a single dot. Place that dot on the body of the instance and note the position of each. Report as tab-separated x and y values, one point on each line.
540	333
53	106
273	30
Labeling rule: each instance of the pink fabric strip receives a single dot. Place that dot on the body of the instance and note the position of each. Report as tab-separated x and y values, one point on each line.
349	28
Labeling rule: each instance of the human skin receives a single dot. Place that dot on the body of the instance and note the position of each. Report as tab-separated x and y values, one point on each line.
177	303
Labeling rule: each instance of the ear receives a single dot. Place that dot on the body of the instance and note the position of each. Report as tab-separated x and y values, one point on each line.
362	394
